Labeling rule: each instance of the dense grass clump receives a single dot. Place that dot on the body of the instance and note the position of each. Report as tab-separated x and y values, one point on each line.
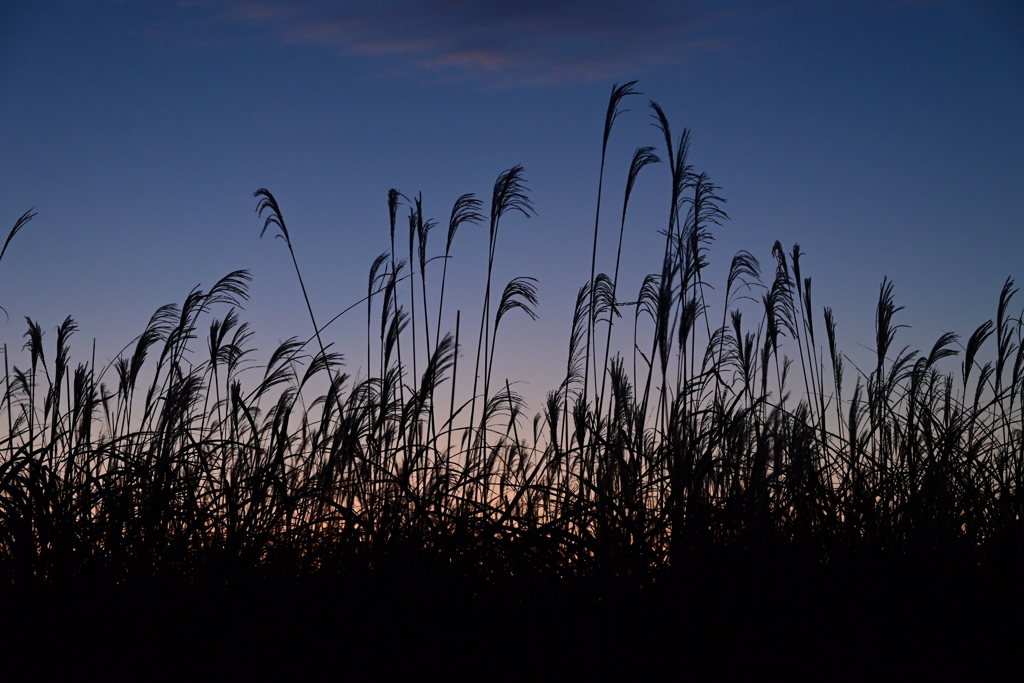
725	497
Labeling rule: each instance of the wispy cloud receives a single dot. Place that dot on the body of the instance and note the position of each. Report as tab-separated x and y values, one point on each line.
502	43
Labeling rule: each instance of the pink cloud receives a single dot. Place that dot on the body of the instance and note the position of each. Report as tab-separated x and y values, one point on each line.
525	42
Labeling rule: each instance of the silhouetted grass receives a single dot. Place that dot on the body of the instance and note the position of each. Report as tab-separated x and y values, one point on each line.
717	502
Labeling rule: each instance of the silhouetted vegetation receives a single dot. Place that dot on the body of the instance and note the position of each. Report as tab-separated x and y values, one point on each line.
726	498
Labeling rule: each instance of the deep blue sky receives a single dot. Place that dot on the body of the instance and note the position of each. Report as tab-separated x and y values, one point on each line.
884	137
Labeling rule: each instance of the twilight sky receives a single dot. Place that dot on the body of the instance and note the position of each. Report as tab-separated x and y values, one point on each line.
884	137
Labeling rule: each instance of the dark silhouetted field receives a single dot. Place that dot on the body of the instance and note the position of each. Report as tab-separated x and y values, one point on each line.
725	500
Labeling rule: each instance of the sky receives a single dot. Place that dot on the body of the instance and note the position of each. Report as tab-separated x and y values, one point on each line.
884	137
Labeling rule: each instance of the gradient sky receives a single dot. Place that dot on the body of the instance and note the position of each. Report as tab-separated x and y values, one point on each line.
885	138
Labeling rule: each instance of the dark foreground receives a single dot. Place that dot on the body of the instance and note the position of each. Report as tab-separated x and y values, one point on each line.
764	618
